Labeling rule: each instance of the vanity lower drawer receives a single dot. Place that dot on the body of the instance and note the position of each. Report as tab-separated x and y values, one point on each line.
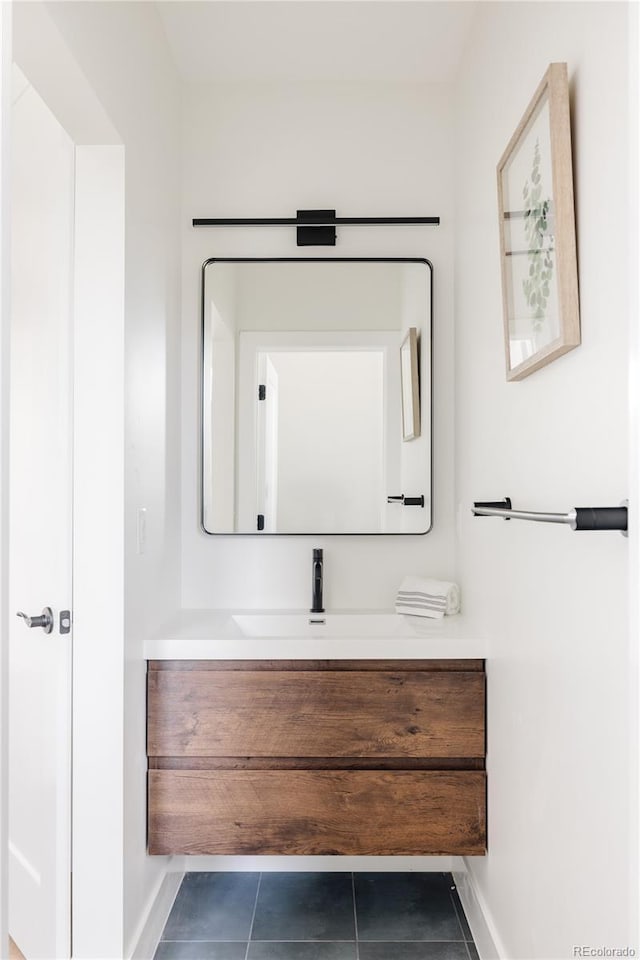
355	812
419	710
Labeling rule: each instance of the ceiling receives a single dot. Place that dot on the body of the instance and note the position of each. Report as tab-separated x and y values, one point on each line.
417	41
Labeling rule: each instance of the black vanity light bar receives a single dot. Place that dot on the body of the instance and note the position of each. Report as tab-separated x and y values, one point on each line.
314	227
295	221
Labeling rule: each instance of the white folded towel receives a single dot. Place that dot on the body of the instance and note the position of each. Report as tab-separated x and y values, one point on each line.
421	597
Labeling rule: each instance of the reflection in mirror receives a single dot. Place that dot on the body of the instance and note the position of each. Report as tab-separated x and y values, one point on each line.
410	378
310	423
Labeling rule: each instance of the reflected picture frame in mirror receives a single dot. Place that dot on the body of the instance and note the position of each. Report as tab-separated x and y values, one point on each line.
410	385
334	327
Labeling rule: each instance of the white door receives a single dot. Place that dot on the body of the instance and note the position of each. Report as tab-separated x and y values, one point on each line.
40	529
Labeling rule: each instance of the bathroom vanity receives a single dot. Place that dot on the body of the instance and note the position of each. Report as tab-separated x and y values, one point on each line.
354	745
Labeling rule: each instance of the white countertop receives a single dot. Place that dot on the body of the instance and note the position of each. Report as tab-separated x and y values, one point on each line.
371	634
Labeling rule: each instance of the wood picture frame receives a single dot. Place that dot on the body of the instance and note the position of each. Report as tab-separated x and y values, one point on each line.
537	232
410	385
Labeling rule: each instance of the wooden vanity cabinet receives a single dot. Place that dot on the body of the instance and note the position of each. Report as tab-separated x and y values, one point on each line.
317	757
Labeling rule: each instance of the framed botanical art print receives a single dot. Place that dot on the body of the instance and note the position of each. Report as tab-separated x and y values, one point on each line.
537	232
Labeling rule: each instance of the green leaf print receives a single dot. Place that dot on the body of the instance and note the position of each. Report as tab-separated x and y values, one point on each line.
536	287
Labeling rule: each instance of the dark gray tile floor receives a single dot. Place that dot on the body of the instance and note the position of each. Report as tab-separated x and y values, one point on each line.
317	916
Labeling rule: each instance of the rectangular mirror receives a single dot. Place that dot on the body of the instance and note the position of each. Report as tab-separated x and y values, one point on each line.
316	396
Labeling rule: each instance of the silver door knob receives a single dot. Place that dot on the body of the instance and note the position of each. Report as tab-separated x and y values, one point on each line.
44	620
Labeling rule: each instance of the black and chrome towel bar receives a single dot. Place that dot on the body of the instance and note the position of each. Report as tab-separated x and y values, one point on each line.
578	518
315	228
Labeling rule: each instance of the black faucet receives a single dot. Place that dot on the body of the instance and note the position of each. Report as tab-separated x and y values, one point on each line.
316	582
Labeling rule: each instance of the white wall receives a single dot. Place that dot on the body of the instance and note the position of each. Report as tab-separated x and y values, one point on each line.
98	584
345	296
363	150
121	50
554	602
219	417
5	321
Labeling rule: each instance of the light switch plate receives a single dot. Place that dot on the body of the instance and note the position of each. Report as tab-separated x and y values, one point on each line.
141	531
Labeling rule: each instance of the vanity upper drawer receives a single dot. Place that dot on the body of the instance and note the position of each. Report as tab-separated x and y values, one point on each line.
316	713
364	812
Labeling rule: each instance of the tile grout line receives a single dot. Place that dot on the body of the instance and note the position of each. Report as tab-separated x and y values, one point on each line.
253	917
438	940
453	888
458	918
355	914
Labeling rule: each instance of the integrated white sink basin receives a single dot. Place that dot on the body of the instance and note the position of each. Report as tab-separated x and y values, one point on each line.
347	625
291	635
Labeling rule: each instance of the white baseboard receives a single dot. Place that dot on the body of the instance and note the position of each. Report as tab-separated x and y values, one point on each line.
486	938
157	917
318	864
